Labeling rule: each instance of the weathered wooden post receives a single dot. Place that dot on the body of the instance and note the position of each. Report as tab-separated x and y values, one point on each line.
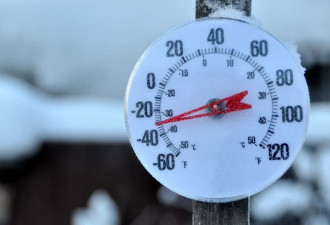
232	213
205	7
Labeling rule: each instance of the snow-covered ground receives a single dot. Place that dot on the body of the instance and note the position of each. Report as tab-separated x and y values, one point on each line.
28	117
101	210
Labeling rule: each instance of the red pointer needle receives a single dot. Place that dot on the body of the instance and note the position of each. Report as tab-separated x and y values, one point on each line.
233	104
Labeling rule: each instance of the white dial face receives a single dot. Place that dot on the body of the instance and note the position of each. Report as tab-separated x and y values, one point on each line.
217	110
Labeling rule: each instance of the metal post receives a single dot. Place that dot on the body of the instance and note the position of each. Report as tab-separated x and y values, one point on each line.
232	213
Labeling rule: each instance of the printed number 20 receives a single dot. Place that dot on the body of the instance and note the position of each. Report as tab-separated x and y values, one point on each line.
175	48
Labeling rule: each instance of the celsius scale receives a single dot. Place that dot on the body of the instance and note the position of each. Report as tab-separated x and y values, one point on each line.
217	109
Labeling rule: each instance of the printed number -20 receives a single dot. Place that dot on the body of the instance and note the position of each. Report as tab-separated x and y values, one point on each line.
144	109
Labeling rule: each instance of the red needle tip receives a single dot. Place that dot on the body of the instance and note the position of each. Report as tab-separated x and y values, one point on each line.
232	104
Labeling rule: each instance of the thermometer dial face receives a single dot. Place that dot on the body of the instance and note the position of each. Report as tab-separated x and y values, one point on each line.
216	110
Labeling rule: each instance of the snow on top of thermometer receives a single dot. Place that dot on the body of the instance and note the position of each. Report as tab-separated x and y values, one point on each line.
293	50
220	10
217	5
234	14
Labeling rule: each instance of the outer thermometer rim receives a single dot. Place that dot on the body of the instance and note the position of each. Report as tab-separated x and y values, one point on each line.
276	175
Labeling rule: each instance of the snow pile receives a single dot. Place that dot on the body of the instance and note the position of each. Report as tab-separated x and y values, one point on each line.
293	50
304	166
282	197
319	125
221	10
322	164
101	210
28	117
19	119
217	4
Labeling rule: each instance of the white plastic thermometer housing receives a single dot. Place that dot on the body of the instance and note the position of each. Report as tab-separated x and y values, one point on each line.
217	110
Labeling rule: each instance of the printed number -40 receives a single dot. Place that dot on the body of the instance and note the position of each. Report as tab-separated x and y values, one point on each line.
150	138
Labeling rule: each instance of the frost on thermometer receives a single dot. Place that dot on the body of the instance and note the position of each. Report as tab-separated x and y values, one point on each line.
217	110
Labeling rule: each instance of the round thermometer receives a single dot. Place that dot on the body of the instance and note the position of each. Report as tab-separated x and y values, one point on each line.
217	109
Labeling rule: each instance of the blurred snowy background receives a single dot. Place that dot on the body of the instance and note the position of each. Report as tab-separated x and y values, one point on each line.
64	154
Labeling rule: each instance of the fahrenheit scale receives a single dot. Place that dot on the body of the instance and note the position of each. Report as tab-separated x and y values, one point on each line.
217	109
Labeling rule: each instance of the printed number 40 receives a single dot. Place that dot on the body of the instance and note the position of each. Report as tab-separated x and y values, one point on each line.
216	36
